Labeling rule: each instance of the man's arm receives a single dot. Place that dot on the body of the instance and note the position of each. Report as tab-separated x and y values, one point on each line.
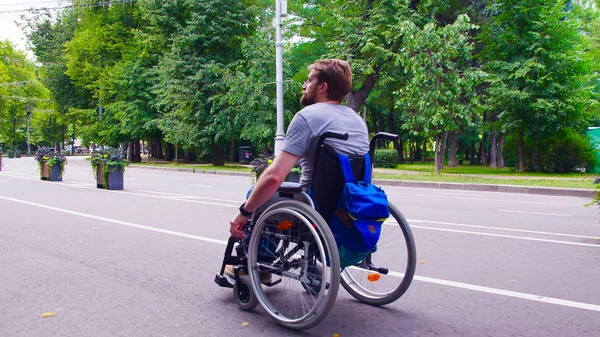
267	184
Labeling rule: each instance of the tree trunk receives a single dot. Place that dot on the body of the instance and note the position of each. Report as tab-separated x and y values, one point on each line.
158	149
169	152
217	155
493	149
443	149
424	150
356	98
62	136
232	149
452	150
500	162
482	150
436	157
521	154
136	151
131	151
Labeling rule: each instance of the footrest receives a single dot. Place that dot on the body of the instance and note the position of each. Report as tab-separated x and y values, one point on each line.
223	281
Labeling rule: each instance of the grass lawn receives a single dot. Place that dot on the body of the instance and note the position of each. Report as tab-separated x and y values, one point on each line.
587	183
486	170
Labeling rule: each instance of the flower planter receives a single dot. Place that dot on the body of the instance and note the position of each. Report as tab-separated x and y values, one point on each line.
44	174
108	166
55	174
114	180
99	177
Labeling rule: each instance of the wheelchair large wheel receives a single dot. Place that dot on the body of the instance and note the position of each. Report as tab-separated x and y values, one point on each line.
385	274
288	240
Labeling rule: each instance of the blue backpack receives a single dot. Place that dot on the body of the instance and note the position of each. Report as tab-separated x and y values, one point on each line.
359	214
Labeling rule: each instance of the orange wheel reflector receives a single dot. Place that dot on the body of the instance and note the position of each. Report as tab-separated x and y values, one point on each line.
284	225
374	277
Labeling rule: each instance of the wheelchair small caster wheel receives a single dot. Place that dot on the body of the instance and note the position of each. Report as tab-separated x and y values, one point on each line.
244	296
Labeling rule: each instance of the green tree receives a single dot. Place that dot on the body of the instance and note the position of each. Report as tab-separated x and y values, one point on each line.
534	51
204	44
440	95
20	91
46	38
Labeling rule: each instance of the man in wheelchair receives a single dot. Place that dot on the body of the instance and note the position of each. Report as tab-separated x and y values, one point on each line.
297	231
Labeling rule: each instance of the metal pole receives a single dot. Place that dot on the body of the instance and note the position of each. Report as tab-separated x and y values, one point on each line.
281	8
28	110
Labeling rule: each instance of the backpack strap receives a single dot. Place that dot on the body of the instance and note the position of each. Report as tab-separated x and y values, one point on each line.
346	168
368	169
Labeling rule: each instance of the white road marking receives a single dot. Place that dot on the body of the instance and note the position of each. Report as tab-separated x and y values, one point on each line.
497	228
175	195
18	174
534	213
3	181
467	286
207	186
117	222
13	175
509	236
509	293
490	200
199	176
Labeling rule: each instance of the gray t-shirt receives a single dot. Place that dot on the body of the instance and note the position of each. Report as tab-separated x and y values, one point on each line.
311	122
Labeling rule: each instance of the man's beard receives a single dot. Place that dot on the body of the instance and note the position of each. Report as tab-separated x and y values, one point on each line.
307	99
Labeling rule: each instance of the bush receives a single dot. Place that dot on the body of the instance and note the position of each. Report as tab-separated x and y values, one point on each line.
565	151
386	158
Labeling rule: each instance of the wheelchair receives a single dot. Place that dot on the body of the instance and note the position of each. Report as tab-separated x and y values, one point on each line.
290	241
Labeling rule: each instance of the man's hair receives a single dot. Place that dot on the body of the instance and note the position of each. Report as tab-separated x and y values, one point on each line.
337	74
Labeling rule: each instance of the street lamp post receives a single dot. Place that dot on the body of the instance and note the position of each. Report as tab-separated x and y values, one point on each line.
28	110
281	9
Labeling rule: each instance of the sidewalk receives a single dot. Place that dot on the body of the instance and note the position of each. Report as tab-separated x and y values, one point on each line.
571	192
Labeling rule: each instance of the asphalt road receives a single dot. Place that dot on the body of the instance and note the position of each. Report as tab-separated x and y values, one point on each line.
141	262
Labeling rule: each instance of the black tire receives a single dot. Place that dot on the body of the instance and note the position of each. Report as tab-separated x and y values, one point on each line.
352	278
292	302
244	296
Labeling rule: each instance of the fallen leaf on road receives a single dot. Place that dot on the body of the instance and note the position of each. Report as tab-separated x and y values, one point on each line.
48	314
336	335
422	262
245	324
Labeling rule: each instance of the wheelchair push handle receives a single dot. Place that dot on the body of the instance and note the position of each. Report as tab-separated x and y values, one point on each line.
384	135
342	136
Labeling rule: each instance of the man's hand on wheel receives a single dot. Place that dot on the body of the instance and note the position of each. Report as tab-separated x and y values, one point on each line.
236	226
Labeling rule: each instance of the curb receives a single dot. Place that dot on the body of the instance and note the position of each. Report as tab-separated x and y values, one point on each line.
567	192
187	170
552	191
